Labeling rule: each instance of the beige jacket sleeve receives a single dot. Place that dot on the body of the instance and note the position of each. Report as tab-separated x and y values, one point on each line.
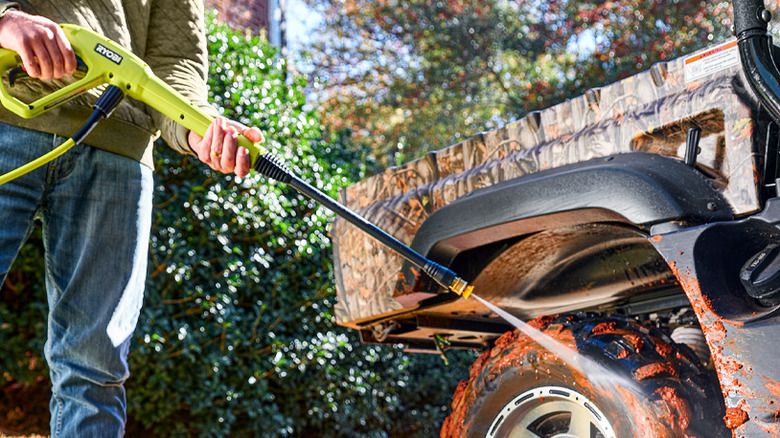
4	6
177	53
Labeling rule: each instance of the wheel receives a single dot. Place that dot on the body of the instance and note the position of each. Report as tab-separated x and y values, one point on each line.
657	388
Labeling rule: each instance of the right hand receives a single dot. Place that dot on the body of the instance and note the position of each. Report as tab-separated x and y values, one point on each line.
45	50
219	146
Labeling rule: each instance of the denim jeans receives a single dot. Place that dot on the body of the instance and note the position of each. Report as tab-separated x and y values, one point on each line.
95	210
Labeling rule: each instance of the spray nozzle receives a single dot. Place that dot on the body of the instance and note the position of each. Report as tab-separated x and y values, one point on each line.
461	287
447	278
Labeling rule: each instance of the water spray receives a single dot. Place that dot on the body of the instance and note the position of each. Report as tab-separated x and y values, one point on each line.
595	372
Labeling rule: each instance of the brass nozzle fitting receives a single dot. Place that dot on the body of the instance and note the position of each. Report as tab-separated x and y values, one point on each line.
461	287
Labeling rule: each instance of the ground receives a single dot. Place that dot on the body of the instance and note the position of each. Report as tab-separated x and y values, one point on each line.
24	409
24	412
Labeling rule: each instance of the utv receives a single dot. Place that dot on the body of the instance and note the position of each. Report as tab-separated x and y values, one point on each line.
637	224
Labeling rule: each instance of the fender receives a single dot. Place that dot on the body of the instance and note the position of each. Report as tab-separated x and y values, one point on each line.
636	188
706	260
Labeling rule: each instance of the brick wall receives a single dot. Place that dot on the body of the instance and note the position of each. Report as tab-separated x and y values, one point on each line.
242	14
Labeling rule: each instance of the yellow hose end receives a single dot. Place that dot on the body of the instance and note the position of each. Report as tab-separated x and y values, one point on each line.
460	287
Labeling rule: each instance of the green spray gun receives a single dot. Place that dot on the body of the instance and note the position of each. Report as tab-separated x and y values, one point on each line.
102	61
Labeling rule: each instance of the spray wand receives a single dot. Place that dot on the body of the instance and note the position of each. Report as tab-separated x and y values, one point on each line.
102	61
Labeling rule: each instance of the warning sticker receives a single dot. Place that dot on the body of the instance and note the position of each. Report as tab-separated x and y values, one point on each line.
711	61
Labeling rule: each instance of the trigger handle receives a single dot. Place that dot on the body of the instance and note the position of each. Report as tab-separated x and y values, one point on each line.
19	72
16	73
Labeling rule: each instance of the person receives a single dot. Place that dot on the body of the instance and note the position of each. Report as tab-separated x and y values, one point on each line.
95	201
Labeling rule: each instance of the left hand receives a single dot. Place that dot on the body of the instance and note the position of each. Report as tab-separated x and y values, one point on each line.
219	146
41	44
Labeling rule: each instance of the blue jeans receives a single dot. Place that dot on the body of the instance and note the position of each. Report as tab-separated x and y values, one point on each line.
95	210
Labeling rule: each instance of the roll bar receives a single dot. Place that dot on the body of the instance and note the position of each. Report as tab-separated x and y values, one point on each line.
755	50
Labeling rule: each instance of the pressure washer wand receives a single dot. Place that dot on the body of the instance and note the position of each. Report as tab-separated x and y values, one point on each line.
272	167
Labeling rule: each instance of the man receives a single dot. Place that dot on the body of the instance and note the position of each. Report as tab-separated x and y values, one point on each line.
95	201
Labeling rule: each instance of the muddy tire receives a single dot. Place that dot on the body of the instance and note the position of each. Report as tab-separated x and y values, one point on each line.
519	389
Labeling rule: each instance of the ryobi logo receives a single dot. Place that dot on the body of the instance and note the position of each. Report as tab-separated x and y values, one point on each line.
108	53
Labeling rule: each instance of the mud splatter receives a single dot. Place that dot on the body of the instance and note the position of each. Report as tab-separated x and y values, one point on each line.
457	398
665	350
771	429
612	328
772	386
679	414
540	323
506	339
554	329
635	341
604	327
730	365
564	348
653	370
717	332
476	367
735	417
641	415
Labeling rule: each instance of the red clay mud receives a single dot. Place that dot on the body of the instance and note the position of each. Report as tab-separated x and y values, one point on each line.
635	341
669	416
476	367
770	429
664	349
714	332
735	417
773	387
641	415
730	365
654	369
539	323
717	332
682	418
611	328
604	327
512	349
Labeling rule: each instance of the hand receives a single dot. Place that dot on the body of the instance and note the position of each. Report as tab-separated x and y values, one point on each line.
45	50
219	146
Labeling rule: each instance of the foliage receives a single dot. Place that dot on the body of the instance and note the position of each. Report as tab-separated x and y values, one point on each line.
23	312
413	76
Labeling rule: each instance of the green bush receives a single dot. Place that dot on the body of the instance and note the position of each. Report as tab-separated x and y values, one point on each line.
23	312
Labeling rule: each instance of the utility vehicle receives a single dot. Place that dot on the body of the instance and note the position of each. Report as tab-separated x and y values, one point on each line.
637	224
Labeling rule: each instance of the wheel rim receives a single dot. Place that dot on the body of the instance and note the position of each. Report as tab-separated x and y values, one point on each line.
550	412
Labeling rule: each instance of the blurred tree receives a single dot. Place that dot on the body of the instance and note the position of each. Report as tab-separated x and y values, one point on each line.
409	76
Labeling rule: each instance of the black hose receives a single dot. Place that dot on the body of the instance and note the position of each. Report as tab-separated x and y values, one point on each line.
103	107
87	127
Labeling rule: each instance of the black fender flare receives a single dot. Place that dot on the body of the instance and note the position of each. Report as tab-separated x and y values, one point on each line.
638	188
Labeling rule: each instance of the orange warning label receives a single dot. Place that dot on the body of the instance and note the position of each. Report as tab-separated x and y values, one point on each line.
711	61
